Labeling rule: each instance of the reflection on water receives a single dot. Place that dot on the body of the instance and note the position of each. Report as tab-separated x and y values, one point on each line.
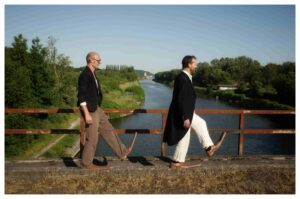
159	96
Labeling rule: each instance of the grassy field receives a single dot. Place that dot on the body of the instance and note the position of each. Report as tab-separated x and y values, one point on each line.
254	180
59	150
123	98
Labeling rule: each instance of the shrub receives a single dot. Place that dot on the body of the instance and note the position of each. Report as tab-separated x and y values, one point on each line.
136	90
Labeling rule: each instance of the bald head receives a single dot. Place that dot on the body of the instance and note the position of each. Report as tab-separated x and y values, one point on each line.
93	56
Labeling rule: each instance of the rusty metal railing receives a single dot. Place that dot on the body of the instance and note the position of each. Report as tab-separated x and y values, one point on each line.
241	130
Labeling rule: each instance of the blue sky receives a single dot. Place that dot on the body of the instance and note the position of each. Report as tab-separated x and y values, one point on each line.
156	37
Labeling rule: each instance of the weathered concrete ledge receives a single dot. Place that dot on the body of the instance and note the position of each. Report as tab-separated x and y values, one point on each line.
219	174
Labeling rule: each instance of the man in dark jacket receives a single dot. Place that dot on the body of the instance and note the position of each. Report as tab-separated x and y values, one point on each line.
89	100
181	117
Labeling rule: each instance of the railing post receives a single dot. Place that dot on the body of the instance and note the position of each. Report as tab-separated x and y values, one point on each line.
81	135
163	144
241	134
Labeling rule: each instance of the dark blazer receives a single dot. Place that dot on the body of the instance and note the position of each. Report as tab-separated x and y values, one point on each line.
87	90
182	107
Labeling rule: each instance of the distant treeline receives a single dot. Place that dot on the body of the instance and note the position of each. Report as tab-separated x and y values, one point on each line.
274	82
141	73
119	67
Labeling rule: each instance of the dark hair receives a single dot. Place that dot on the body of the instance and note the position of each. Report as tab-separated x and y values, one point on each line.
187	60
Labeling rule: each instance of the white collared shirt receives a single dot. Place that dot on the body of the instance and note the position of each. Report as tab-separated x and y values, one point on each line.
189	75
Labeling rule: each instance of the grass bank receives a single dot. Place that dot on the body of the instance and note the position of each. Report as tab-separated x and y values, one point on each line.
241	100
31	146
242	180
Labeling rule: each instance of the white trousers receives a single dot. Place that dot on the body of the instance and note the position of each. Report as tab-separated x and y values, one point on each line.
200	128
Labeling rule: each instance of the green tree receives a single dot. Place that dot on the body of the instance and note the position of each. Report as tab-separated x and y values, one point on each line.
18	90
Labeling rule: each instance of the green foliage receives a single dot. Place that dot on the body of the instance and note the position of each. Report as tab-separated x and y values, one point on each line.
35	78
273	82
206	75
242	87
59	149
244	101
39	77
15	144
112	79
137	90
110	104
230	95
166	77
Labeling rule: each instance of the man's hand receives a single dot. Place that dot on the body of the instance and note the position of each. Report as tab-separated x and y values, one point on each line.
87	115
187	123
88	119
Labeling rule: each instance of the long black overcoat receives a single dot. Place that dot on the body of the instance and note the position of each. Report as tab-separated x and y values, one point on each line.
181	108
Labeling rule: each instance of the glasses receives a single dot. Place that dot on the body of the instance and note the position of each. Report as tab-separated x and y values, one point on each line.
98	60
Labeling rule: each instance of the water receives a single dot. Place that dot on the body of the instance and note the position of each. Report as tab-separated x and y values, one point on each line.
159	96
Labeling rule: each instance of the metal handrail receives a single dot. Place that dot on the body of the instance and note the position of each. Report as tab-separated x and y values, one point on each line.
241	130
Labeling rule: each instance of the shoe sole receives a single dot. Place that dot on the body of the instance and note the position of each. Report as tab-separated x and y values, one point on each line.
131	146
185	166
221	142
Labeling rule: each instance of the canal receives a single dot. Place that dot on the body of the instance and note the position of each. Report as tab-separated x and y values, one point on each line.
159	96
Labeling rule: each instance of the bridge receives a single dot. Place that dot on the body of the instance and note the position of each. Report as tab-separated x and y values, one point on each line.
163	112
262	166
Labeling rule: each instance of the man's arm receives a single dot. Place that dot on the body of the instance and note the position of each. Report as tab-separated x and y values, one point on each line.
87	116
183	102
82	88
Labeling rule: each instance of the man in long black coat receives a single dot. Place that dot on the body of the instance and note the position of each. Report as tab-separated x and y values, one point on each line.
181	117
